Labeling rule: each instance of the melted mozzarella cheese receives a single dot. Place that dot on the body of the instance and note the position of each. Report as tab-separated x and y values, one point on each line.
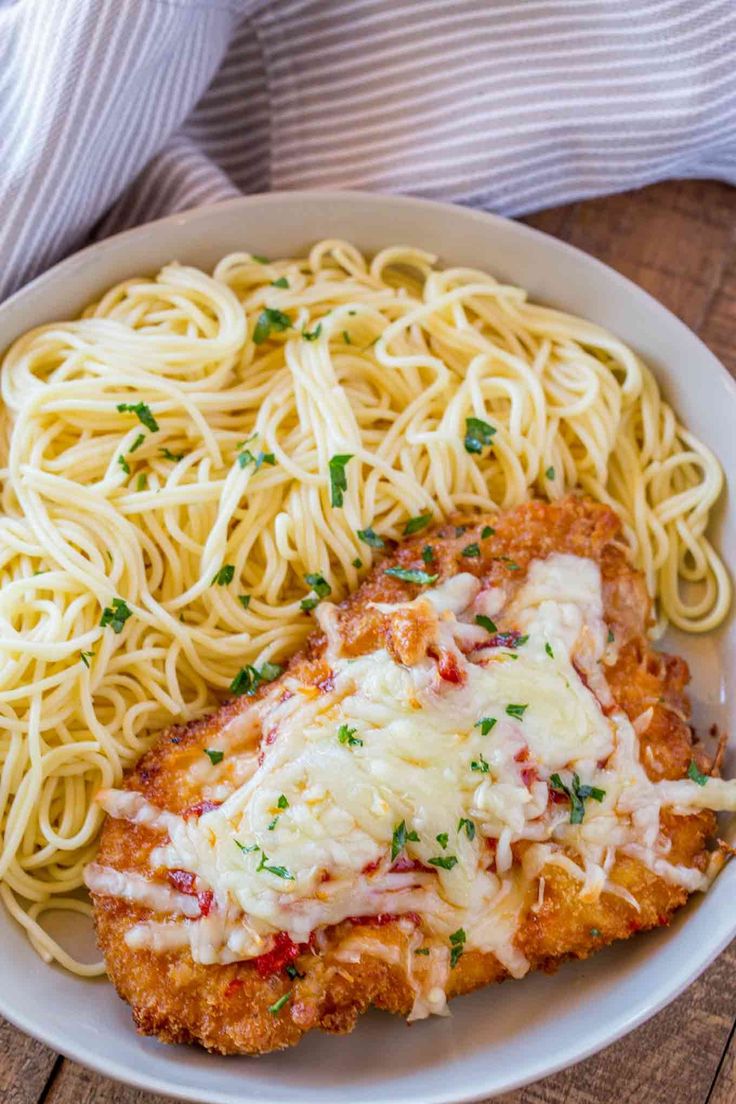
399	791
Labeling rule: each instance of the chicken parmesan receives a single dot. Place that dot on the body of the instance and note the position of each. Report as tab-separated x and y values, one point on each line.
477	767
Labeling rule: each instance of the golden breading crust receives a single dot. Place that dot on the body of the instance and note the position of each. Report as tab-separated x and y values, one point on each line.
225	1008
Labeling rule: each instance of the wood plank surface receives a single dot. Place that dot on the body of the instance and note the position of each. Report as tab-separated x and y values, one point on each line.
678	241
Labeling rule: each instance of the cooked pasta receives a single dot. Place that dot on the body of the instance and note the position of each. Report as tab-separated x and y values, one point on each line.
189	468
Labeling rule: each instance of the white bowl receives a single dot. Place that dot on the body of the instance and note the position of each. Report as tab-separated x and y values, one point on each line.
504	1036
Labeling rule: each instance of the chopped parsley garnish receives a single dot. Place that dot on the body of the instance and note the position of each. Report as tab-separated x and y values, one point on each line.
313	334
247	848
400	838
277	1005
141	482
282	282
610	638
338	477
485	724
138	442
291	971
308	604
124	464
244	600
485	623
279	871
115	615
169	455
478	435
457	946
346	337
246	457
273	823
548	650
142	412
225	575
415	524
422	950
442	839
86	657
694	774
480	765
319	584
270	321
368	536
577	795
550	473
357	563
486	532
446	862
214	756
283	802
249	678
510	565
260	259
471	551
517	711
427	553
469	827
410	575
346	735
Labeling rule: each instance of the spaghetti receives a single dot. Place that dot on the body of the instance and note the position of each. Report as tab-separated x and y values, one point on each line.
189	468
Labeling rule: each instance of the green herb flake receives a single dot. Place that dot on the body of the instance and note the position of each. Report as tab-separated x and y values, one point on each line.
695	775
548	650
141	482
487	532
246	457
276	1007
259	259
270	827
137	443
124	464
422	951
247	848
244	600
282	282
86	657
357	563
346	735
270	671
270	321
410	575
313	334
442	839
142	412
283	802
416	524
346	337
319	584
249	678
478	435
278	871
550	473
517	711
291	971
428	553
471	551
115	615
445	862
400	838
371	538
338	477
225	575
485	724
457	946
214	756
169	455
469	827
308	604
577	795
486	623
480	765
610	638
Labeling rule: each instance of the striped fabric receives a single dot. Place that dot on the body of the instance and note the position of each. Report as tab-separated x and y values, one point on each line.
113	112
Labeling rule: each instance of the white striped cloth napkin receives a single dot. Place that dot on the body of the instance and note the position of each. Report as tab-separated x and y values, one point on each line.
114	112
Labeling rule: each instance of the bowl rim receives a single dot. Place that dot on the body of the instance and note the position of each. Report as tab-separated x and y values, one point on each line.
666	992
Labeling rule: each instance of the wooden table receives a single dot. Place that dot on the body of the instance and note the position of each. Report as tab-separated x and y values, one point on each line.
678	240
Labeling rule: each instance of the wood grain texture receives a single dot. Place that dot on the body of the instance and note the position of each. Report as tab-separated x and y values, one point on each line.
678	241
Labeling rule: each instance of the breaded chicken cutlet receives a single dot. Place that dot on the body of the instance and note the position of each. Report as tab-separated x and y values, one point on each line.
476	768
